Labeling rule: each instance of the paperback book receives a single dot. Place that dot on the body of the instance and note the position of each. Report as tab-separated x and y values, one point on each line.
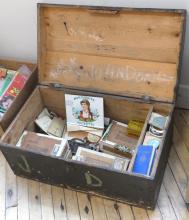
144	160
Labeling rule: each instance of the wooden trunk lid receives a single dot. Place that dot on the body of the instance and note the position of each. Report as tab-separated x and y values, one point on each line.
129	52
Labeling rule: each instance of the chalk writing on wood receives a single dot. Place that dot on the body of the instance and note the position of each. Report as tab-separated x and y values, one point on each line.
24	165
84	34
93	180
109	72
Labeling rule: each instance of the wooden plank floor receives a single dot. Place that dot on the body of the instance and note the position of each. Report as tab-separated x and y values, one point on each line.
28	200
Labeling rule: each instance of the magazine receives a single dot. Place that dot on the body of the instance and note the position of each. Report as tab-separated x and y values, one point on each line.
6	80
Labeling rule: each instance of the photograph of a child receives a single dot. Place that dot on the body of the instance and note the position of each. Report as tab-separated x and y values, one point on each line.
85	111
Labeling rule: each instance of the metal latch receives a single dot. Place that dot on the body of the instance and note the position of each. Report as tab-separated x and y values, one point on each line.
146	98
56	85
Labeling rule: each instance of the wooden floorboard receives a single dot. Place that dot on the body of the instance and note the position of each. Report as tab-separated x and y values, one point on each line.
22	199
2	186
59	205
85	208
34	200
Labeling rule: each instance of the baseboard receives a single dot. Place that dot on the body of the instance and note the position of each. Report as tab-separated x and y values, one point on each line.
183	97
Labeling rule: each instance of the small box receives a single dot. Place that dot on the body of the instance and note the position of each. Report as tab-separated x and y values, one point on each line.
116	140
99	159
130	57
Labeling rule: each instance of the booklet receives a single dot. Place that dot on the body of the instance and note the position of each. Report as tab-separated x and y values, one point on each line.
84	112
144	160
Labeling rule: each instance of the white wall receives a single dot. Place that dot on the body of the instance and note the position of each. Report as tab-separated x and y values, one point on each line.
18	25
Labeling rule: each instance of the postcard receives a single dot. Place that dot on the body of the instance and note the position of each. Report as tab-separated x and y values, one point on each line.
84	111
56	127
43	122
52	126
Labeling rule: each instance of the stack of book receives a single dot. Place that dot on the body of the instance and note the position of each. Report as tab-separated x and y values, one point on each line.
11	83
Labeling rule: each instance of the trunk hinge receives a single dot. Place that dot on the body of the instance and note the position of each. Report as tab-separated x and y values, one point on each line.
146	98
56	85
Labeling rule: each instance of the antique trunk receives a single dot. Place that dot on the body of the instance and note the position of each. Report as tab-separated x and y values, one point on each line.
131	58
8	117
